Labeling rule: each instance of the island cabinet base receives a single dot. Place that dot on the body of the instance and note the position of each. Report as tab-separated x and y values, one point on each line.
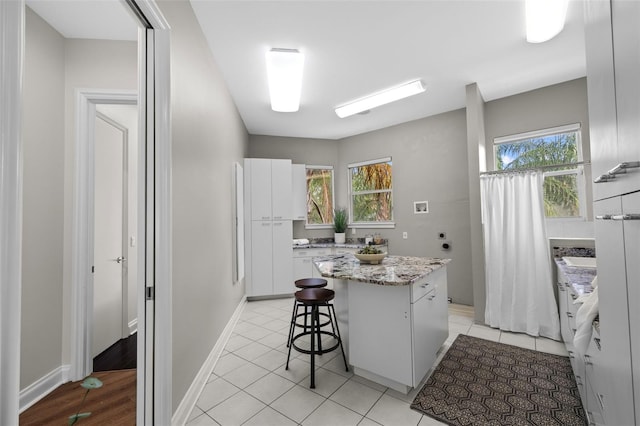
395	332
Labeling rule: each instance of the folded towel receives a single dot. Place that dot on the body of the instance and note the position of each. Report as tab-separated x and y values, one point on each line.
584	320
300	241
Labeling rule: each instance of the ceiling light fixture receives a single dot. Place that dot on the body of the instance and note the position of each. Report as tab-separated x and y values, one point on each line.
545	19
381	98
284	73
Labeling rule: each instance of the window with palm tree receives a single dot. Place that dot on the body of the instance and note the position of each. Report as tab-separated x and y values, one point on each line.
557	149
370	191
319	196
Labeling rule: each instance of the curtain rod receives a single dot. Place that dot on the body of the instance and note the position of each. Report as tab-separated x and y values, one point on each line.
538	168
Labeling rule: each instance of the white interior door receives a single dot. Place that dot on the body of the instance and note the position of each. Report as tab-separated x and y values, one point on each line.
109	250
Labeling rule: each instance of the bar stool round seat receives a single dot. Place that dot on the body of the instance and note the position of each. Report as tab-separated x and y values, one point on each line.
310	283
303	283
310	296
314	298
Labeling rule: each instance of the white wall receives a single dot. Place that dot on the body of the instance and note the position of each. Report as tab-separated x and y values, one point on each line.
208	136
42	243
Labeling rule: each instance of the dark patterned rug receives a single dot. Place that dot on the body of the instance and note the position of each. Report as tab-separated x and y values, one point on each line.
479	382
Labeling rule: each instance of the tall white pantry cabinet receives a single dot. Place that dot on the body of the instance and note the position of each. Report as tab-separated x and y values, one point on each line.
612	37
268	227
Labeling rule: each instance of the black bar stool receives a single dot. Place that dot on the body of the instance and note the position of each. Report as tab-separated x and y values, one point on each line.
302	284
314	298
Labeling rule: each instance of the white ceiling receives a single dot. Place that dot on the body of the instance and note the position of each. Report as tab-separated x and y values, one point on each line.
353	48
92	19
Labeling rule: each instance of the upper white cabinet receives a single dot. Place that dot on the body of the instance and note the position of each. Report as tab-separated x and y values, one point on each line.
258	181
269	185
299	183
281	188
612	38
626	49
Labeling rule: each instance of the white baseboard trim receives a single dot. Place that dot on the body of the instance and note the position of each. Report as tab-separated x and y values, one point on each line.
133	326
190	399
43	387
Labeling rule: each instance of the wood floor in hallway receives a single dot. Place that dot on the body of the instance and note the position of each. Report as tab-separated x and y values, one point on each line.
112	404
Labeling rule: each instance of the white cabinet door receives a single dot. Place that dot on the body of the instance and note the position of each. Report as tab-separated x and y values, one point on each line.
299	191
282	257
563	308
302	268
593	366
424	327
626	48
261	259
258	172
380	330
430	323
612	40
614	315
601	91
281	190
631	205
441	317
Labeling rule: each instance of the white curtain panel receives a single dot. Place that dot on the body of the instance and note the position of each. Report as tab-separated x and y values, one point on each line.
518	276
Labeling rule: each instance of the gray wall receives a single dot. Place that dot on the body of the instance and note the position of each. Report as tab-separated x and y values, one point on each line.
208	136
429	163
43	180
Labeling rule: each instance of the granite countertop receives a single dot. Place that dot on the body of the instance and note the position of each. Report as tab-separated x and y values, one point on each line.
393	270
353	243
332	245
579	278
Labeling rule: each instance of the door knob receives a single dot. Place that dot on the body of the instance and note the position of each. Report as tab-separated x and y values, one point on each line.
120	259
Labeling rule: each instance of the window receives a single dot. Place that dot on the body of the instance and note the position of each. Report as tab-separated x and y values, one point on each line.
558	149
319	196
370	193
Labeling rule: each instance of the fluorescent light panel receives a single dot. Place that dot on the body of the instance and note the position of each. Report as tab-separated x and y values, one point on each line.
284	73
545	19
381	98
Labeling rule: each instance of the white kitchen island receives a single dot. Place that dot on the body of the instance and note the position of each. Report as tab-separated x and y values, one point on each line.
393	316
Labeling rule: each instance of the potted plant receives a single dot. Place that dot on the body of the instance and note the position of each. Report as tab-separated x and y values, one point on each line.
340	220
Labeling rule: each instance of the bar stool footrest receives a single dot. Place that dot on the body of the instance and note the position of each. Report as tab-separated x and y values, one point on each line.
316	350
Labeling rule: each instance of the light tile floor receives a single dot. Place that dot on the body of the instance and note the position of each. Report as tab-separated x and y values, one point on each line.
250	386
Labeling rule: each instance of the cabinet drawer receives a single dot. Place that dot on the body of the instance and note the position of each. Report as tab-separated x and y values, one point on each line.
311	252
426	284
420	288
344	250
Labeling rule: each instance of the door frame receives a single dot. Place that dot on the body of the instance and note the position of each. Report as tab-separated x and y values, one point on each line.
82	238
12	18
154	325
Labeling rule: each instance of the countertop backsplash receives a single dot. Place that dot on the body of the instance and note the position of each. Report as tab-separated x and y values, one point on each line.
348	241
574	251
